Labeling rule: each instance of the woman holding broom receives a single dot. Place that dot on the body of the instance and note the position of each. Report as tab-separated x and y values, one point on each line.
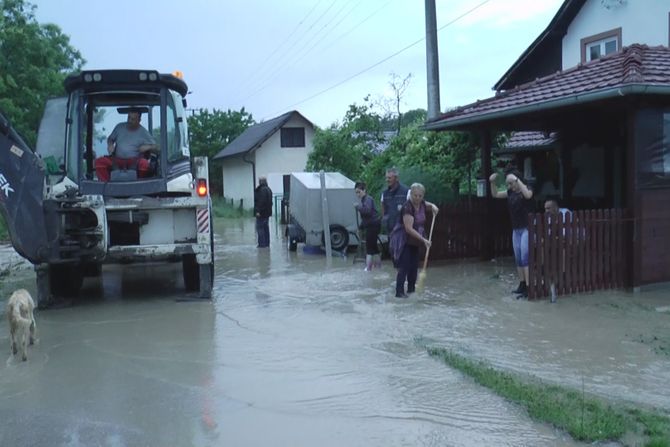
408	236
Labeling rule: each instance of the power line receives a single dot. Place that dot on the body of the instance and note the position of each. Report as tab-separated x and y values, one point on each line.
309	50
301	53
269	73
383	60
266	60
350	30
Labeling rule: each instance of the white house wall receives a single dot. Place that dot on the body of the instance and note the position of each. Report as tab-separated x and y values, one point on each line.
237	181
641	21
272	161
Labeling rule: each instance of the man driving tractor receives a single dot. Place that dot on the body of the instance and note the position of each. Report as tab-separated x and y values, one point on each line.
126	146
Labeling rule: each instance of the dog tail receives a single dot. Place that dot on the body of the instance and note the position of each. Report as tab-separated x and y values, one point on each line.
20	319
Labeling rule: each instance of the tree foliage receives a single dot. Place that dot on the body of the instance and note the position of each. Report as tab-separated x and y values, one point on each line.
445	162
209	132
348	146
34	61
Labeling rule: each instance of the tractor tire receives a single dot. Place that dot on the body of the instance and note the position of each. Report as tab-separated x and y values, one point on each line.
191	272
65	280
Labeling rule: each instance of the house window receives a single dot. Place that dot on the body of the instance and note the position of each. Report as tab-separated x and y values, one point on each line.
595	47
293	137
653	147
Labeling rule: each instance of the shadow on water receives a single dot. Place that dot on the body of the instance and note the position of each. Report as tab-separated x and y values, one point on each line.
298	350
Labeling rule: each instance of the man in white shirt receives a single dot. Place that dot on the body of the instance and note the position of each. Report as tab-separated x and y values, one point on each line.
126	146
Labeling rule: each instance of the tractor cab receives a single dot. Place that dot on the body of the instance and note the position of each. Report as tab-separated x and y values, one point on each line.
68	221
74	133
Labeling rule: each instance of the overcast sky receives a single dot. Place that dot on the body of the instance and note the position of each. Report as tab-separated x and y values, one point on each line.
314	56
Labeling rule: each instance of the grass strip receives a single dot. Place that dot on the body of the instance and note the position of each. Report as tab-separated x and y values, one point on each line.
222	207
585	418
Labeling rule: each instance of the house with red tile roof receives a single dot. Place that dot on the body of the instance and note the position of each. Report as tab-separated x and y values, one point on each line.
587	106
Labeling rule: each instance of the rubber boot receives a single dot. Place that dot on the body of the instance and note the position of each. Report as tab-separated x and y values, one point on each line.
521	288
368	263
377	261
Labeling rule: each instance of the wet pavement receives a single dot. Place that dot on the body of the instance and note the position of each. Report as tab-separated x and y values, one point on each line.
299	350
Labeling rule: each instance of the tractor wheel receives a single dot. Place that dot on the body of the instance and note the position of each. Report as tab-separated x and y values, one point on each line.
191	271
65	280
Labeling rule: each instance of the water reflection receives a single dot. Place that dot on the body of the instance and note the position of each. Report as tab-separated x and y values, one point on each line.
263	262
295	349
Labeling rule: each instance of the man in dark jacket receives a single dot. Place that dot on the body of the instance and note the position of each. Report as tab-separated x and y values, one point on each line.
263	211
393	198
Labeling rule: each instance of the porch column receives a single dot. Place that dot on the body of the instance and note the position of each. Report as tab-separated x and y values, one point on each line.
633	276
485	157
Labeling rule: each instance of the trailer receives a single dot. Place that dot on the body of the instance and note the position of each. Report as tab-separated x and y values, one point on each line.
306	213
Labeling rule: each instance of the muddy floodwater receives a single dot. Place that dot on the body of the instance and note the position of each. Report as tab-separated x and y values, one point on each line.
299	350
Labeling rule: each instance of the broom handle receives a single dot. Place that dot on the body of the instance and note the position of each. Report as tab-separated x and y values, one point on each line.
430	239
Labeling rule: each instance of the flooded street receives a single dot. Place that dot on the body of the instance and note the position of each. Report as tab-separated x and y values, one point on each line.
299	350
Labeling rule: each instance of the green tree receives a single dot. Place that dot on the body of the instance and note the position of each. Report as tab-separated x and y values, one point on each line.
209	132
34	61
445	163
348	146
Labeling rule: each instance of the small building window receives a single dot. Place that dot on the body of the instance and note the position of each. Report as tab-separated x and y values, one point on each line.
595	47
293	137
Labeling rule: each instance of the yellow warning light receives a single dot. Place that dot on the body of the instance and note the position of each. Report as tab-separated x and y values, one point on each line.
178	74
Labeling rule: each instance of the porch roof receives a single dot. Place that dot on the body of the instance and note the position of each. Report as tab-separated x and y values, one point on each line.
525	141
636	70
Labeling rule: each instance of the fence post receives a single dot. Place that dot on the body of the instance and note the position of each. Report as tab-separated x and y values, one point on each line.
485	157
532	258
283	206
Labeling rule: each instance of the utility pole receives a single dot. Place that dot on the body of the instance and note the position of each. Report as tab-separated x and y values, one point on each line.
432	61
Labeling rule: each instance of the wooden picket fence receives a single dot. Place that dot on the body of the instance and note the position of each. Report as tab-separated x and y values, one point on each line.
583	252
462	229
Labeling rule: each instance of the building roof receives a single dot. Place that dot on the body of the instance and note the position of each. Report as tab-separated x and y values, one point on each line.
256	135
636	70
550	39
524	141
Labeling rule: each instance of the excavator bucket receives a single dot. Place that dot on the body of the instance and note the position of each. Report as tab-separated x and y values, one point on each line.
21	189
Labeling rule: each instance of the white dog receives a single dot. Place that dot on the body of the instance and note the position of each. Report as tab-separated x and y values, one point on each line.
21	321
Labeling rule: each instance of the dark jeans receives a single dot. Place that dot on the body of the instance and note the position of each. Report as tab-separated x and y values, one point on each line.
371	234
408	268
263	231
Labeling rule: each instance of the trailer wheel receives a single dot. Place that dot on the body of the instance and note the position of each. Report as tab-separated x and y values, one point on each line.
339	238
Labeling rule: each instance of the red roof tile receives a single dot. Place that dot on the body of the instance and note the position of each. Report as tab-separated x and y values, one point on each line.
634	65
